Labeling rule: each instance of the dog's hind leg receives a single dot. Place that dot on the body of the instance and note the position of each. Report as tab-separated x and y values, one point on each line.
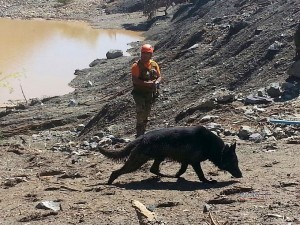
134	162
155	168
197	167
182	170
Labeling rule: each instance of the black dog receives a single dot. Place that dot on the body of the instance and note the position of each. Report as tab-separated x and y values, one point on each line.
186	145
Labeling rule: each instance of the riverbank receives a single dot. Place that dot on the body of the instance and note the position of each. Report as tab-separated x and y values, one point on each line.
91	11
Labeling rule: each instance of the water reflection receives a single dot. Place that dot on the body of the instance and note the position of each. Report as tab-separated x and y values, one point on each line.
41	56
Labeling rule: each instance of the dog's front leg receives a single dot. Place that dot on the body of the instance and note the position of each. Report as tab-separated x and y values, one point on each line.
200	173
182	170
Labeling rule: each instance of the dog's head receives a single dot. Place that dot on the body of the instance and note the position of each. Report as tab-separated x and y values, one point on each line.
230	161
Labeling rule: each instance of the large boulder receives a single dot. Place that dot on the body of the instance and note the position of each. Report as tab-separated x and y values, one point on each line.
112	54
274	90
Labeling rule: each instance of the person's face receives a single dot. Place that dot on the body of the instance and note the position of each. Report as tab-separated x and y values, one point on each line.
146	56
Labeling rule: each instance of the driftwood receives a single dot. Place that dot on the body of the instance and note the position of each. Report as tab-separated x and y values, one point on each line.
221	201
144	215
213	221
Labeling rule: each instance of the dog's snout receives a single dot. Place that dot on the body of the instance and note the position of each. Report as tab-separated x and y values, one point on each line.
237	174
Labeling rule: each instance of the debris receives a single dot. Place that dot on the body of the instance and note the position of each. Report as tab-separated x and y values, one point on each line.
63	188
293	140
206	208
221	201
286	184
274	215
251	99
70	175
288	121
53	205
144	215
50	173
167	204
236	190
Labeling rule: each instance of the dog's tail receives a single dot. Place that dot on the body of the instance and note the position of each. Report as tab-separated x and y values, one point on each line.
118	155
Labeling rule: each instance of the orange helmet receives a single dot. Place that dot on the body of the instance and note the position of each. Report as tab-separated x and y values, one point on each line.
147	48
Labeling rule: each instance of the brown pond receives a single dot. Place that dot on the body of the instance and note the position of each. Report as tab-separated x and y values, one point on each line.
40	56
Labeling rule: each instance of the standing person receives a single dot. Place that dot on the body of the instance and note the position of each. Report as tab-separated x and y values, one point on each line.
146	78
297	42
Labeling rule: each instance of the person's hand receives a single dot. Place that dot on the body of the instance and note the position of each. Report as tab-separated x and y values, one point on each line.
150	83
154	84
154	71
157	84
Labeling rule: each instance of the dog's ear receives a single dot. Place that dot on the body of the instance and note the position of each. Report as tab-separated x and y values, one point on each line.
233	147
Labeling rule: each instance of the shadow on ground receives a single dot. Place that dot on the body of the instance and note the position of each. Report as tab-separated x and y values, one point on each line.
181	185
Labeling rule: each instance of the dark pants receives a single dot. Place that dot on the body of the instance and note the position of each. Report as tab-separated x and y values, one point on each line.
143	102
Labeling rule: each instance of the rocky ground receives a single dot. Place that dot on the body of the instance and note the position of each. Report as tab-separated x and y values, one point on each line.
224	65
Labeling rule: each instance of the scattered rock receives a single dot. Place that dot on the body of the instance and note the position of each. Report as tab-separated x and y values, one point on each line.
207	208
236	190
208	118
80	127
245	132
53	205
276	46
251	99
256	137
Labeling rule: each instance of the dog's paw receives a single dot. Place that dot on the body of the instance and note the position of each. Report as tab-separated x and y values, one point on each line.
155	178
213	181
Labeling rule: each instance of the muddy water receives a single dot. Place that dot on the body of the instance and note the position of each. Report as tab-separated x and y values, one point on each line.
40	57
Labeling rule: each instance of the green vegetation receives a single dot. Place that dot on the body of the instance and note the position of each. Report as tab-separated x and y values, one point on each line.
3	80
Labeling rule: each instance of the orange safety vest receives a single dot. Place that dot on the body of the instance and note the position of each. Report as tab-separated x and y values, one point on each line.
146	74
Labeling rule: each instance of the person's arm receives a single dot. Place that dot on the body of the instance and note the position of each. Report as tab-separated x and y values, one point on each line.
159	79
